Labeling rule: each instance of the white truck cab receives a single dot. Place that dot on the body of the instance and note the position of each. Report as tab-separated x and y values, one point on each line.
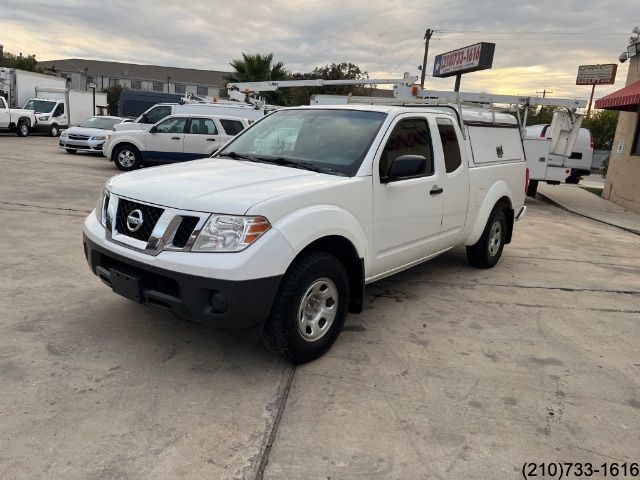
51	115
16	120
285	225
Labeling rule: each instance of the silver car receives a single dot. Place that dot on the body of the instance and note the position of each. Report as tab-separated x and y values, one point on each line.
89	136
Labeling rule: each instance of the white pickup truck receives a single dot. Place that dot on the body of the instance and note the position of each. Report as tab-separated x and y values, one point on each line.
16	119
286	224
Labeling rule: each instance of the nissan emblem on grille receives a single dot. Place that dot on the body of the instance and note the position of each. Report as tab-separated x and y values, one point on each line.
134	220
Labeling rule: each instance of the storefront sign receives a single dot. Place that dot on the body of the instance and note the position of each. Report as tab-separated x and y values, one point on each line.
597	74
464	60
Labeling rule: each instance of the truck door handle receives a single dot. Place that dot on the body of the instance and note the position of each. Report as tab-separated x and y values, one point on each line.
175	138
436	190
211	139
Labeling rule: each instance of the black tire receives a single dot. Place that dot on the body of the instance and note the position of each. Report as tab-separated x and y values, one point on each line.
487	251
70	150
573	180
532	189
54	131
282	333
126	157
22	130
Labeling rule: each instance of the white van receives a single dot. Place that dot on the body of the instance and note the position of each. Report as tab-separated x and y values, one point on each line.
577	165
162	110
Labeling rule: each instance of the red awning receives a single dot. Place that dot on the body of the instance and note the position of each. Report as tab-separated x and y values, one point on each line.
627	98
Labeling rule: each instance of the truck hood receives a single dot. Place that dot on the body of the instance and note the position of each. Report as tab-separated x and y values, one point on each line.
215	185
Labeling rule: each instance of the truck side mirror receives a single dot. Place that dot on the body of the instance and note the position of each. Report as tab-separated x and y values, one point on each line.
153	129
404	167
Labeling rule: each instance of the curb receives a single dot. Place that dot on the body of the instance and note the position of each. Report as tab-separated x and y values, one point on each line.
542	197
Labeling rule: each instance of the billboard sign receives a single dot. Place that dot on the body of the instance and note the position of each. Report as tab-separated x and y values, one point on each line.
464	60
604	74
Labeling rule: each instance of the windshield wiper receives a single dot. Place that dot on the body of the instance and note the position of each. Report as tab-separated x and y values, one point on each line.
287	162
240	156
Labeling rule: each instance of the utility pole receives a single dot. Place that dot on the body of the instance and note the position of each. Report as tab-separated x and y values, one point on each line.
544	91
427	36
593	89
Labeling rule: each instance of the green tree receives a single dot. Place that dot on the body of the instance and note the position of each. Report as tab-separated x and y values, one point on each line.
20	62
333	71
113	98
257	68
602	125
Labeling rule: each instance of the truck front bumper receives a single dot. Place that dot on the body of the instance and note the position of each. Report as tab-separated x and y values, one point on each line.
228	290
221	303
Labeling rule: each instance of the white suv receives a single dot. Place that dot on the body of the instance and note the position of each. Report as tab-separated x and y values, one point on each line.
173	139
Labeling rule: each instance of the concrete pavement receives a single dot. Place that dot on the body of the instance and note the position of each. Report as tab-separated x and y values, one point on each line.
450	372
579	201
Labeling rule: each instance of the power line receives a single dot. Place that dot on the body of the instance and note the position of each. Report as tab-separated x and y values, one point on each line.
405	60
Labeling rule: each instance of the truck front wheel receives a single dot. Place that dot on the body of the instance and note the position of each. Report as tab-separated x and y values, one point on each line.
486	252
54	131
310	309
23	129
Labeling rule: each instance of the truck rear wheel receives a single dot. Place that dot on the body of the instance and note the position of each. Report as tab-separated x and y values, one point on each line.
532	188
310	309
22	129
126	158
487	251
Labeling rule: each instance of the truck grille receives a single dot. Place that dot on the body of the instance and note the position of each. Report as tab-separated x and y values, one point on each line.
149	215
78	137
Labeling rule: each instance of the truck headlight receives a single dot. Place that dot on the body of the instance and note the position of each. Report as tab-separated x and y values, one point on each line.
229	233
43	118
101	208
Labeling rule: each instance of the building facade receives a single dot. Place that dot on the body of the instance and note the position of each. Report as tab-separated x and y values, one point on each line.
153	78
622	184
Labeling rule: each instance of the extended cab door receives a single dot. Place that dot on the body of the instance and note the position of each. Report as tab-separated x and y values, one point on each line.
203	138
5	116
455	181
407	213
167	142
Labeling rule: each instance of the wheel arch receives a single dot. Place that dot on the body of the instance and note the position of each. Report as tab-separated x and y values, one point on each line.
114	149
345	251
498	194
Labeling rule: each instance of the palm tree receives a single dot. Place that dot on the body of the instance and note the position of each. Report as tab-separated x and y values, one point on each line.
258	68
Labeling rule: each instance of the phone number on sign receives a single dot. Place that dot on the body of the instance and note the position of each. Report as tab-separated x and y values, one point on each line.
569	469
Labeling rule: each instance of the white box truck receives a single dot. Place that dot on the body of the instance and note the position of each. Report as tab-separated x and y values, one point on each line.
18	86
57	109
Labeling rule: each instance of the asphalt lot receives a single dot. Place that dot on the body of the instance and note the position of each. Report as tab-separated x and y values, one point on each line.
450	372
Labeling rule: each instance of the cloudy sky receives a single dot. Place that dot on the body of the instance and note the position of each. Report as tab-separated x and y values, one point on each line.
538	43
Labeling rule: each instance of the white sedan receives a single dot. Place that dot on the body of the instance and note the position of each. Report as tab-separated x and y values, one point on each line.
173	139
89	136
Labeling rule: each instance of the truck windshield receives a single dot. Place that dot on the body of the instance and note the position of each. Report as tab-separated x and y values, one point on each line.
100	123
39	106
327	140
